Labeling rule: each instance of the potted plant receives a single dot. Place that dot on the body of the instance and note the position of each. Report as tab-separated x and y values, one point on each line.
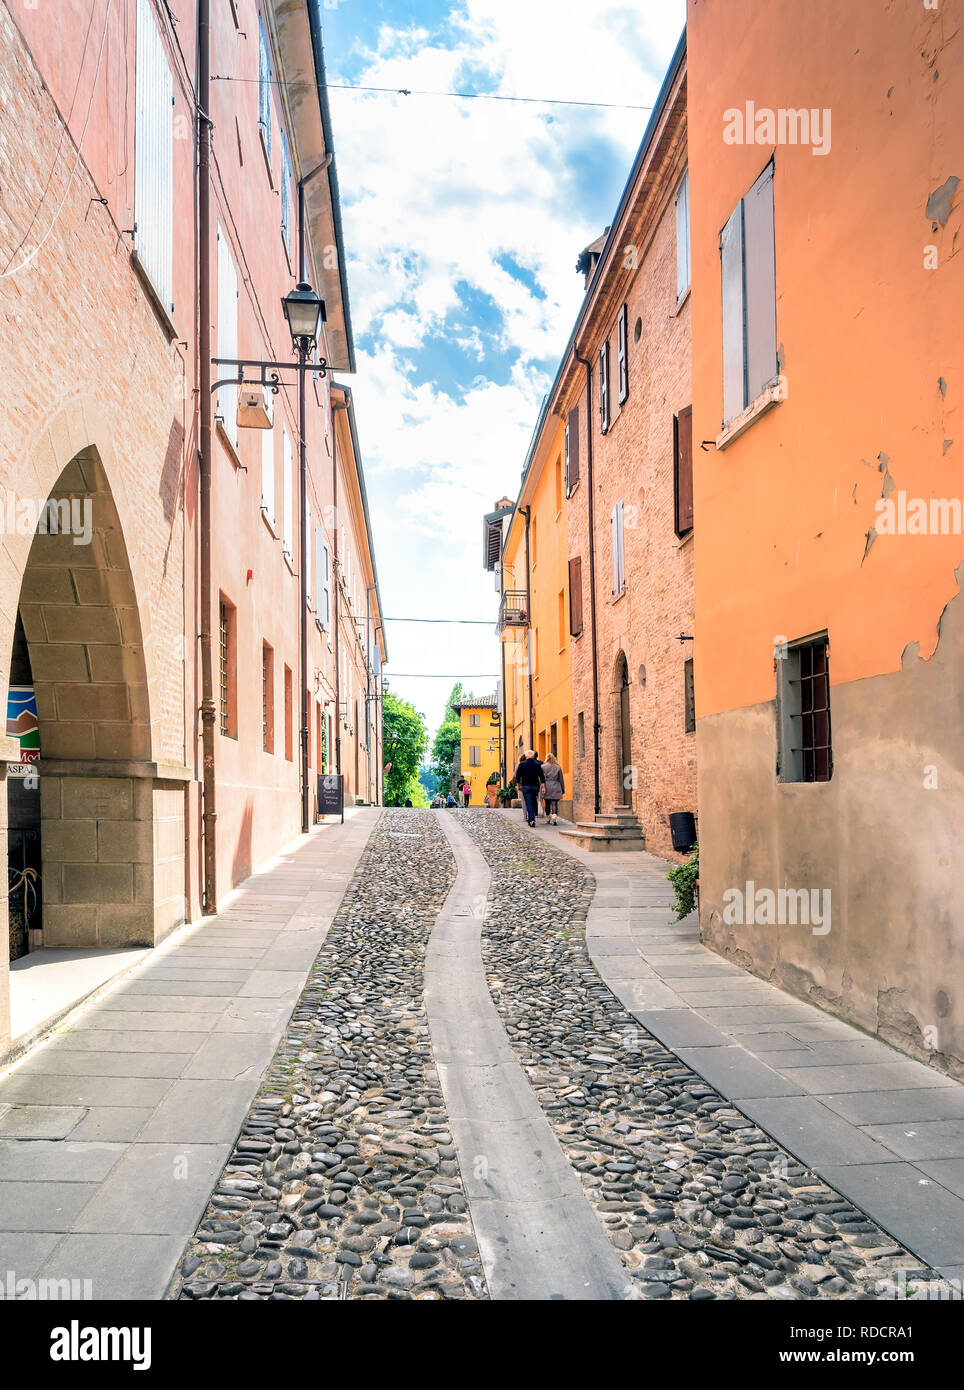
492	788
505	795
685	879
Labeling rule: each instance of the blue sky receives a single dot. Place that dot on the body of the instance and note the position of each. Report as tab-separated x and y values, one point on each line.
463	221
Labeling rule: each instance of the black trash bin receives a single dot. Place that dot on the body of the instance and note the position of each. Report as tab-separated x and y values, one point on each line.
682	827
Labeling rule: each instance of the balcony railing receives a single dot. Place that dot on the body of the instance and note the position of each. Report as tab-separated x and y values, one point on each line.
514	609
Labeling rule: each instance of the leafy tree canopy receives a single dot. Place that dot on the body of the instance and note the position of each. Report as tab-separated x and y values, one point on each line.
406	739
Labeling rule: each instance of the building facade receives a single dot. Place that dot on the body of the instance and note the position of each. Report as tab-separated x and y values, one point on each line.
480	744
623	392
156	623
827	369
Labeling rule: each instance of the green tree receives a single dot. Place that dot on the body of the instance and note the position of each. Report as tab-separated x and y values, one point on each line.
448	741
406	739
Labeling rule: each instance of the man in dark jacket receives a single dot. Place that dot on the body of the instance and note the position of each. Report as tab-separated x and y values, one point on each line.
528	778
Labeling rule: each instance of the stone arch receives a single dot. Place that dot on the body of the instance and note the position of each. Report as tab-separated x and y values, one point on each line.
111	824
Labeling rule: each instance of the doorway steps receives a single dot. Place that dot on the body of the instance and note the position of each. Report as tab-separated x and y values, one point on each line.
615	830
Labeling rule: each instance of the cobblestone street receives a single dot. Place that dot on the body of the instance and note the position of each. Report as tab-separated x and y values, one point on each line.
567	1152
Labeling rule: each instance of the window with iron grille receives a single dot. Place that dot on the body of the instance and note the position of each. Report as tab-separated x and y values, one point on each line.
227	675
804	748
689	698
267	697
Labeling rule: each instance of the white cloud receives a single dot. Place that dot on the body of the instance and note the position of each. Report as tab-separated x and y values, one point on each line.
435	193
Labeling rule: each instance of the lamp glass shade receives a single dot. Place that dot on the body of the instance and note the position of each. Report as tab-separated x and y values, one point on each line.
304	312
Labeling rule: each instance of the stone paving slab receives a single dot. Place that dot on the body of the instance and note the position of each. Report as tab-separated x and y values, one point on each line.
853	1098
538	1236
125	1116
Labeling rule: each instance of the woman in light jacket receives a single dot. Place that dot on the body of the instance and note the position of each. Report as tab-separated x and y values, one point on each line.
555	785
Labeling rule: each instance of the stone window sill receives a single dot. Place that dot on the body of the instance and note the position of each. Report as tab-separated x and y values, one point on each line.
768	397
681	301
162	311
229	444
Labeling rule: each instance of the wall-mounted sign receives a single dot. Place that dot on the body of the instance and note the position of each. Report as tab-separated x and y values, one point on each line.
23	726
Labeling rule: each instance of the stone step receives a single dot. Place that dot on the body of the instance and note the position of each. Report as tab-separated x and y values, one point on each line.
618	832
601	838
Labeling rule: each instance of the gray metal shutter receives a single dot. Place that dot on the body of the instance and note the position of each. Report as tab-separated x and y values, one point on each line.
761	297
734	354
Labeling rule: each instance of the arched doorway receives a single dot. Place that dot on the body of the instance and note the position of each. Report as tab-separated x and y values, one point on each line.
106	879
625	771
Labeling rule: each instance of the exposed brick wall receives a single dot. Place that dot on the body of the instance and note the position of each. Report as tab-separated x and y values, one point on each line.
634	462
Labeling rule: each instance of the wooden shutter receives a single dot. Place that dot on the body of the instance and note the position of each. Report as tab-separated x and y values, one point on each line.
619	559
286	177
307	574
572	450
683	237
761	300
322	579
227	334
734	356
287	518
604	387
683	469
154	156
622	352
267	474
575	595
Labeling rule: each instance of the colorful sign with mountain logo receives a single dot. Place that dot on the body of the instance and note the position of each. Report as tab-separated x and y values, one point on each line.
22	725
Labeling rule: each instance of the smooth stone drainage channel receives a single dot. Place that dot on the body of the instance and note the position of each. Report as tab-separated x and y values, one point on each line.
538	1236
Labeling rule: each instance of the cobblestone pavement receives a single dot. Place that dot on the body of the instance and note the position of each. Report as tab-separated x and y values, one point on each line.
698	1201
344	1182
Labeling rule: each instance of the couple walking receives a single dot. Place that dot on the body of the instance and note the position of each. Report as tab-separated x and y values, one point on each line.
534	777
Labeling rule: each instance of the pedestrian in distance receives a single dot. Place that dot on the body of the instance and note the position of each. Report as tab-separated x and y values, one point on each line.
467	792
554	788
528	778
451	801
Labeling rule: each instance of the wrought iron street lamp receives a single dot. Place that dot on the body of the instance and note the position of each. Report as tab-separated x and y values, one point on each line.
305	313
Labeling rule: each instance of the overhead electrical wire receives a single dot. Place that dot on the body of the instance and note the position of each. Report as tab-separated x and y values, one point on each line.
462	96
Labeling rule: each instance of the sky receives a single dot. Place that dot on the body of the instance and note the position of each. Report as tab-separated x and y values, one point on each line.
463	221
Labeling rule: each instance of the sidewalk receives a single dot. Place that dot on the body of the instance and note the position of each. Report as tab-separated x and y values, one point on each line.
114	1131
882	1129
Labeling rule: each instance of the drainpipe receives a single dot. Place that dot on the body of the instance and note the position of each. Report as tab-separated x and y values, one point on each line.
335	406
596	727
532	717
205	420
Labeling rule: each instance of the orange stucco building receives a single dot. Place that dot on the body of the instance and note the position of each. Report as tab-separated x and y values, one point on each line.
828	368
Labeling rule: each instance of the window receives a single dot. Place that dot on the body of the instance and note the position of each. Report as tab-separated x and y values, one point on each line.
475	756
264	88
533	654
322	579
804	751
307	575
227	669
474	721
320	751
542	744
227	334
286	177
154	157
267	474
683	469
622	354
572	450
604	387
581	733
575	595
289	727
287	516
267	697
683	237
749	298
618	547
564	759
689	698
554	740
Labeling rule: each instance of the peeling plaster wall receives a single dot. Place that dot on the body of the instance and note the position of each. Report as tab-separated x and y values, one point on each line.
884	835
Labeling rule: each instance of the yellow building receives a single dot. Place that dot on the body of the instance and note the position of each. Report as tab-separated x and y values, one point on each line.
480	751
534	618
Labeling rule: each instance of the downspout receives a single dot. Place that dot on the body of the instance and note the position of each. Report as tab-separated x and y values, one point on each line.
592	583
532	718
336	405
205	415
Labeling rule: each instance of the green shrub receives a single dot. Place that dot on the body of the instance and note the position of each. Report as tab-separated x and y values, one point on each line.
505	794
683	878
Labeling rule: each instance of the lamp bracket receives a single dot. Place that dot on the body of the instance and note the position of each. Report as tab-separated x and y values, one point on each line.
268	372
